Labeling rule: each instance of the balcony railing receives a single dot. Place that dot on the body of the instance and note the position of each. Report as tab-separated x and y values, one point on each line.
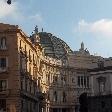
3	69
4	92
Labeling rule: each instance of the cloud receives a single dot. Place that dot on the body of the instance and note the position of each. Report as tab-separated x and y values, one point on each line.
102	27
36	17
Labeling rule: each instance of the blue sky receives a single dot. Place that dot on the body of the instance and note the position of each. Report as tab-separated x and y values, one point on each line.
73	21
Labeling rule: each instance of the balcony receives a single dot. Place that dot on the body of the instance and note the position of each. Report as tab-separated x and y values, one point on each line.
3	48
4	93
3	69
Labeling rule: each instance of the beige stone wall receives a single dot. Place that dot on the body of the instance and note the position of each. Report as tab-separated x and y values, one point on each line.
10	72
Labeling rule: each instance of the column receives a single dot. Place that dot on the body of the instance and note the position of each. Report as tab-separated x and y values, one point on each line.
80	81
86	83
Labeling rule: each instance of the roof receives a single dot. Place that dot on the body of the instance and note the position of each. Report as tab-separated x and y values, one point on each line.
53	46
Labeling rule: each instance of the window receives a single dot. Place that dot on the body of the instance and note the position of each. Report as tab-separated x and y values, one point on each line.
26	85
55	96
101	82
100	64
30	68
64	97
73	80
55	79
3	85
79	81
48	96
20	44
3	64
102	87
3	105
83	81
23	64
88	81
22	84
30	86
3	43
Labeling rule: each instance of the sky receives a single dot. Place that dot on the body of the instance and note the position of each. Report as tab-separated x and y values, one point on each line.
73	21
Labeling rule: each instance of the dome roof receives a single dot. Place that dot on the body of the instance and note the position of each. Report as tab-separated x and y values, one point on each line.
53	46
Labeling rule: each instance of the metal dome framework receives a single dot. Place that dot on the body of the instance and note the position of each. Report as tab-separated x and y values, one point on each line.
53	46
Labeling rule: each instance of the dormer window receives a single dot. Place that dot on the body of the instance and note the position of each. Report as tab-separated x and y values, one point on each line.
3	43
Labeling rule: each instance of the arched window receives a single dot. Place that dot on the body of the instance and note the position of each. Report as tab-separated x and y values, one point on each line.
3	43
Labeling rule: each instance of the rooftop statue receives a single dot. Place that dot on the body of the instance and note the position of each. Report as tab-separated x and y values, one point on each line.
82	46
36	29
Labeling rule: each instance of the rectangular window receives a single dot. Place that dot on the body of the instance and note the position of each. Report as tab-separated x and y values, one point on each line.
2	62
88	81
85	81
3	85
82	78
79	81
3	43
3	104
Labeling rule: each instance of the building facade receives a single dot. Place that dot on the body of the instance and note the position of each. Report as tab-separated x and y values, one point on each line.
41	73
101	96
18	68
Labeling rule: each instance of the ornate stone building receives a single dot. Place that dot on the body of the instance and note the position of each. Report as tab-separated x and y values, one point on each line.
19	77
101	76
71	78
41	73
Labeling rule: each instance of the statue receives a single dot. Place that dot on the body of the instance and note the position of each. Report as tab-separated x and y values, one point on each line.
82	46
36	29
